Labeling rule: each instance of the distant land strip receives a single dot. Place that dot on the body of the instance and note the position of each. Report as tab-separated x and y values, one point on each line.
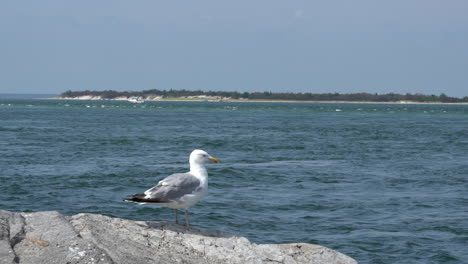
155	94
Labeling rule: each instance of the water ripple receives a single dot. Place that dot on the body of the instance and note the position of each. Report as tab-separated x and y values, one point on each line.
381	183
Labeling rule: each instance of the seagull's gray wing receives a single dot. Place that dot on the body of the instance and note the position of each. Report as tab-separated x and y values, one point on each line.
172	188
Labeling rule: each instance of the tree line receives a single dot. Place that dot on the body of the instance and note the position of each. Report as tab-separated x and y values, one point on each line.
352	97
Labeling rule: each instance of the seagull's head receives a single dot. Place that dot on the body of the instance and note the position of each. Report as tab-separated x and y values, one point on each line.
199	156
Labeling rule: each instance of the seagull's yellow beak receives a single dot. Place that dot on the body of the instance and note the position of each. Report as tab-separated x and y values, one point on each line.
215	160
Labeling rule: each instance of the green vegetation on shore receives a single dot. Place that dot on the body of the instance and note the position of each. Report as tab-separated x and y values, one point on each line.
352	97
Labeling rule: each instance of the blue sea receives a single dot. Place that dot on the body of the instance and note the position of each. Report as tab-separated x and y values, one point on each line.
382	183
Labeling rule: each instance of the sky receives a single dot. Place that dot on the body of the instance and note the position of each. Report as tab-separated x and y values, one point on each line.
321	46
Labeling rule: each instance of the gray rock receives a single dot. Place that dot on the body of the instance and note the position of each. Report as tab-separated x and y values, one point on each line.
49	237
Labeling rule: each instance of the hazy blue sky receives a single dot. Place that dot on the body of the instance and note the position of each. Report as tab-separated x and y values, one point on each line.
403	46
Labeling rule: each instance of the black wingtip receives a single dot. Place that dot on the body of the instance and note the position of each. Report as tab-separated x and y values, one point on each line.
134	198
140	198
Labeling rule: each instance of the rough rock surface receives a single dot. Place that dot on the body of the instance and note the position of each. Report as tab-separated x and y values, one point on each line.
49	237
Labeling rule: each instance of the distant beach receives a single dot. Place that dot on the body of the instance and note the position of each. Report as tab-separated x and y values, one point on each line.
221	99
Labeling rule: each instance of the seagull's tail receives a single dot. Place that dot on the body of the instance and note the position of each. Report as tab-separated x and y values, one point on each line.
138	198
141	198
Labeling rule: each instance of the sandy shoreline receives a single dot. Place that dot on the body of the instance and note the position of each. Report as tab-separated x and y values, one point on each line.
90	98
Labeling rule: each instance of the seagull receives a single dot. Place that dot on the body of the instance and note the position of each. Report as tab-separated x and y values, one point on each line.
180	190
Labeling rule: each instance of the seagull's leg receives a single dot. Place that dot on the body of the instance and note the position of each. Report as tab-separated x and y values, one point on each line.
176	216
186	219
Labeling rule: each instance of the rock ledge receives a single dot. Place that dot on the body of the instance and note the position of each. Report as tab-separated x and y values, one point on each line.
49	237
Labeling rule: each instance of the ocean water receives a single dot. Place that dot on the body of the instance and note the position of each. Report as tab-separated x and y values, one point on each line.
381	183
